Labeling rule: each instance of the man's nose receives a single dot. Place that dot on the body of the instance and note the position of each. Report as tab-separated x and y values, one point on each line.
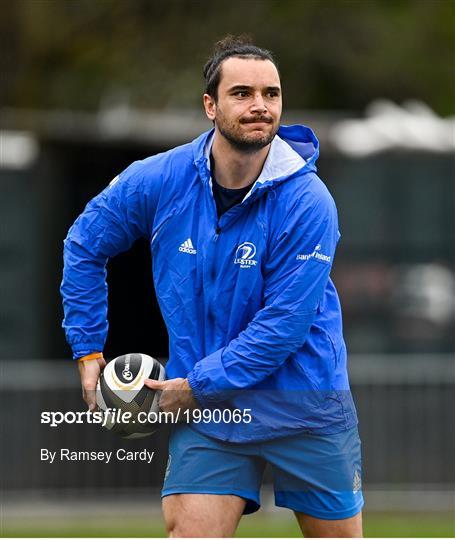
258	104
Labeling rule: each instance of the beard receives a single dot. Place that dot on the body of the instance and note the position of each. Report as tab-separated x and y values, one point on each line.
241	140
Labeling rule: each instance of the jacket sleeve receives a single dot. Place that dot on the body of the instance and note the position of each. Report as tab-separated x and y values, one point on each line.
109	225
296	274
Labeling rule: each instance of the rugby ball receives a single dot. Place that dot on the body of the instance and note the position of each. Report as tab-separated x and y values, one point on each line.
121	389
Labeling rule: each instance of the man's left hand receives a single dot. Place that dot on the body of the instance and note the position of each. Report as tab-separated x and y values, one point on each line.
175	394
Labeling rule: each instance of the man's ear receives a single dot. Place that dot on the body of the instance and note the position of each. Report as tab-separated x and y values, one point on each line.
209	106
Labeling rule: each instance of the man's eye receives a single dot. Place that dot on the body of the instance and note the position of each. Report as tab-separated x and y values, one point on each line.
273	94
241	93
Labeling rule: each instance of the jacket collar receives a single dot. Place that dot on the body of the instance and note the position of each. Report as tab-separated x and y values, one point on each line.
294	149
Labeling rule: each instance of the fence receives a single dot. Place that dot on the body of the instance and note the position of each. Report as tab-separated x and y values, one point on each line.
405	406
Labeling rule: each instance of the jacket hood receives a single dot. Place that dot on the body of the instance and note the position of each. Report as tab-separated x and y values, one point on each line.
293	150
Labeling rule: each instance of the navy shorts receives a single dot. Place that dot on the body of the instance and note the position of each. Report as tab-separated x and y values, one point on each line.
319	475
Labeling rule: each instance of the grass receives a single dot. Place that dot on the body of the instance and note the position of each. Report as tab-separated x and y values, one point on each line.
419	525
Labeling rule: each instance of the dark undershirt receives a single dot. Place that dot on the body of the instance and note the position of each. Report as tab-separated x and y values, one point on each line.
226	198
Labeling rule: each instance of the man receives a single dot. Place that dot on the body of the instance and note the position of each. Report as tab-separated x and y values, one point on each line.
243	235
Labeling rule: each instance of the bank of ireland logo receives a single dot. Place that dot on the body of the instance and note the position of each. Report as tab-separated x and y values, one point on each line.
244	255
316	255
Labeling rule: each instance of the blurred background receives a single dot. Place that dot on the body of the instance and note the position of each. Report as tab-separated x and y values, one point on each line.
88	86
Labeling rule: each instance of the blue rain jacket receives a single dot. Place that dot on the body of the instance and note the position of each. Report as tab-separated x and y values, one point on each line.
254	320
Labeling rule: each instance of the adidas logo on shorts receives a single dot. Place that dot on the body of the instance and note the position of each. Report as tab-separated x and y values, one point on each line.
357	483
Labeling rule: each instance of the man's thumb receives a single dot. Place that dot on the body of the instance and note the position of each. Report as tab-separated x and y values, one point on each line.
154	384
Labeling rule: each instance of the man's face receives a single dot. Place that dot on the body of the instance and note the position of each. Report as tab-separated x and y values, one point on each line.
248	109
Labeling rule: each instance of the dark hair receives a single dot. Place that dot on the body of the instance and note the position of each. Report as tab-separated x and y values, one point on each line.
228	47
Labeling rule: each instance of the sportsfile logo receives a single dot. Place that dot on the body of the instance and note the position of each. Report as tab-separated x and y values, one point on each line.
316	254
244	255
187	247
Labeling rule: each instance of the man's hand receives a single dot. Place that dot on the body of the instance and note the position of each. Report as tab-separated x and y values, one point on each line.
176	394
89	371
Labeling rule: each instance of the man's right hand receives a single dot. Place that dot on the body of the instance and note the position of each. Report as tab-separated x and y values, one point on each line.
89	371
